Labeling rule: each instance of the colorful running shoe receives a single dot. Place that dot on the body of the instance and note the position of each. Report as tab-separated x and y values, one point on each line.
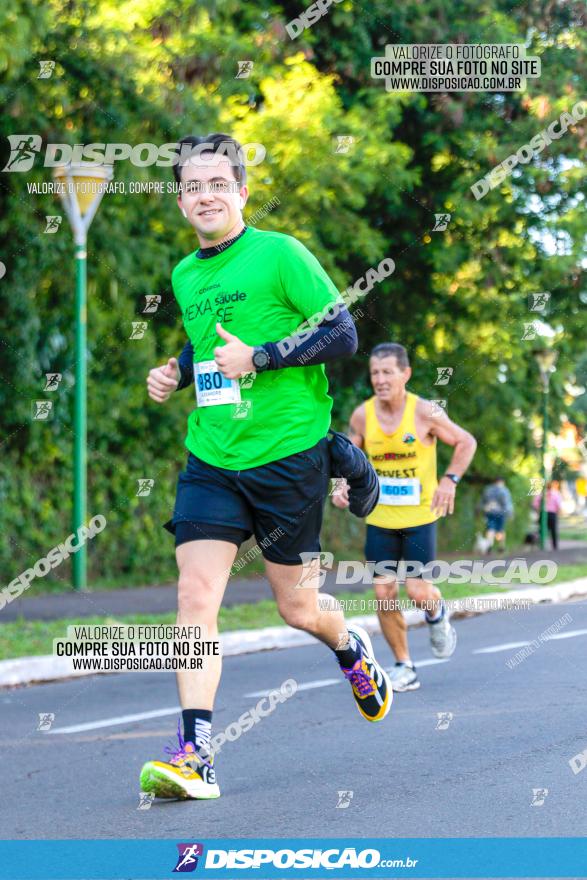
370	682
185	775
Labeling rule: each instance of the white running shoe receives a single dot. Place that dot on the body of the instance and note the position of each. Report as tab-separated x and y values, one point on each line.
404	678
443	636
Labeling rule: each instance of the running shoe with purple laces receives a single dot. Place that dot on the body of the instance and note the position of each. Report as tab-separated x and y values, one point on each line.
371	685
185	775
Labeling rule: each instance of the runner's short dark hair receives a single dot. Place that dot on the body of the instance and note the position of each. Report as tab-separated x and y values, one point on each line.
218	143
392	349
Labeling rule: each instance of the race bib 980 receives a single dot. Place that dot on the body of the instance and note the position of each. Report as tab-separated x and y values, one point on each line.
212	388
399	491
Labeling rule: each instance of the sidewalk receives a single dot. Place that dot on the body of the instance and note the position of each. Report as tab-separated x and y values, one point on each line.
163	599
48	667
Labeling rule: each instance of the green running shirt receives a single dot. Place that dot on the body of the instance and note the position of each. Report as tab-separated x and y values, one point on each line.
261	289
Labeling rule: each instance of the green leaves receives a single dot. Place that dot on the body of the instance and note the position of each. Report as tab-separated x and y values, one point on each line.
358	174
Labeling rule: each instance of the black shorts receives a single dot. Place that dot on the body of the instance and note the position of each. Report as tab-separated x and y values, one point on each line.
417	544
281	503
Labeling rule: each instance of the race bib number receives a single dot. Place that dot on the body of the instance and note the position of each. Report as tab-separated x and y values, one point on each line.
399	491
212	388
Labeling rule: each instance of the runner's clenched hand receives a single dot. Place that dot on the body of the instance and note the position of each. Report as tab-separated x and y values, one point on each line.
234	358
162	381
340	496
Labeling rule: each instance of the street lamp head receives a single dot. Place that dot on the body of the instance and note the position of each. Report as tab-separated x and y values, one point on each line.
81	191
546	358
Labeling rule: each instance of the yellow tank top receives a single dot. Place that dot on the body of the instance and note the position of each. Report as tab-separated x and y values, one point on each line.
406	469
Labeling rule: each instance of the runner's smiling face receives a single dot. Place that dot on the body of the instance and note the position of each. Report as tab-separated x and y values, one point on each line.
212	198
387	378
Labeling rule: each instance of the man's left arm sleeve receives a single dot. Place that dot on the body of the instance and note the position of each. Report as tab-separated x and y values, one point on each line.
333	338
186	366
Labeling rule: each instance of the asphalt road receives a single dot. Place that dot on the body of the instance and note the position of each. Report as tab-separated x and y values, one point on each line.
513	730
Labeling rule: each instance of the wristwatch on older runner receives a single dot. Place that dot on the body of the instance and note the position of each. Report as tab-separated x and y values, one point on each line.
456	480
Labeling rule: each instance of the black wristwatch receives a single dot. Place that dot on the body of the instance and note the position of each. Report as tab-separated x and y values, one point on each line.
261	359
456	480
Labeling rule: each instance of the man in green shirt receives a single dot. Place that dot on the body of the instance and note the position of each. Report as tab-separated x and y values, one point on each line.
258	459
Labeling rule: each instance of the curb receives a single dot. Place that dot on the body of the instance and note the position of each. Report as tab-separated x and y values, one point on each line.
45	668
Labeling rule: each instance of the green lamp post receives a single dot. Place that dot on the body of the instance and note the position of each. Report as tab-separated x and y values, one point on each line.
81	190
546	359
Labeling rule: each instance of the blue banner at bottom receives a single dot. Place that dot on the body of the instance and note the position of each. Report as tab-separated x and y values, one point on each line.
303	858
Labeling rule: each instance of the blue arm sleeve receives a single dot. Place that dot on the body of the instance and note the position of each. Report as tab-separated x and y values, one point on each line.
186	366
331	339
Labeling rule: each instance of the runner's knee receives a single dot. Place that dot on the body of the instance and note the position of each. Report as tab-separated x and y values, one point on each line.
422	591
299	615
385	589
198	596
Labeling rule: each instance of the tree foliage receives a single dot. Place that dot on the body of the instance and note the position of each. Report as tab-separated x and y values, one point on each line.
154	71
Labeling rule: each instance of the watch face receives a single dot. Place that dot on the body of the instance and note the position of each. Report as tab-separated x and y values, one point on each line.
260	358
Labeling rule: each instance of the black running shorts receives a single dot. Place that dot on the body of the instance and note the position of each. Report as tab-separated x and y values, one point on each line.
280	503
416	545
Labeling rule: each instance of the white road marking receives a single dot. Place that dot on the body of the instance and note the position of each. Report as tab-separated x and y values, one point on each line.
118	719
175	710
568	635
432	661
494	649
328	682
508	646
304	686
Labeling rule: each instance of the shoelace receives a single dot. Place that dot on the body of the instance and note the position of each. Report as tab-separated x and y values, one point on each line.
180	753
359	679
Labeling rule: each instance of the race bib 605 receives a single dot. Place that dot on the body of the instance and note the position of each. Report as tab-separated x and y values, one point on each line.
399	491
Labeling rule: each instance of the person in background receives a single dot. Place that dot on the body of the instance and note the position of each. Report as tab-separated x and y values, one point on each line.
581	493
497	507
553	504
399	431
